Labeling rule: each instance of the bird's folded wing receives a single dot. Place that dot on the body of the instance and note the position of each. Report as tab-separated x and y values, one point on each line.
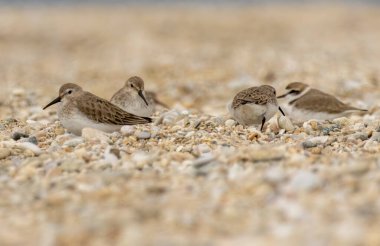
321	102
102	111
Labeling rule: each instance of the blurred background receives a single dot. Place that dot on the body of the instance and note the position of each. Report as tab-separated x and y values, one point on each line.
196	54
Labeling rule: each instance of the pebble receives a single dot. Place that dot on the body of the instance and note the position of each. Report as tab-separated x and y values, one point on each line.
91	134
230	123
313	142
140	158
127	130
73	142
4	153
203	148
303	181
142	134
203	160
170	117
343	121
29	146
73	165
359	135
274	175
33	140
375	136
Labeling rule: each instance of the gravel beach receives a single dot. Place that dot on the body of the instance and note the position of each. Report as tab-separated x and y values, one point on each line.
194	176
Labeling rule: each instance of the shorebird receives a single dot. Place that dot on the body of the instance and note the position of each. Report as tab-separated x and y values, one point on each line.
79	109
254	105
134	99
305	103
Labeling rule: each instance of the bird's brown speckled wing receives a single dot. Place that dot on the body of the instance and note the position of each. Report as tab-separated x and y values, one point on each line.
103	111
318	101
251	95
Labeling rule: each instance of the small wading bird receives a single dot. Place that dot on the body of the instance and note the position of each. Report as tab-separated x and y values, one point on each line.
134	99
254	105
304	103
78	109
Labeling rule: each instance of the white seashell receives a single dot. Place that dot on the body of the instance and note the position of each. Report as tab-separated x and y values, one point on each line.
273	124
285	123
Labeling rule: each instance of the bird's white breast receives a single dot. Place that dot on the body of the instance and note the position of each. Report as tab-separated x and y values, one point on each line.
252	114
136	105
299	115
74	121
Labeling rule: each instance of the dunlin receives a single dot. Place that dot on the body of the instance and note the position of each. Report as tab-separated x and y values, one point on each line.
255	105
134	99
304	103
79	109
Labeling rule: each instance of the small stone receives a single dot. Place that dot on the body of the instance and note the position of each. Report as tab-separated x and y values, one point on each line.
254	135
72	165
18	135
54	172
29	146
313	142
142	134
342	121
230	123
218	120
127	130
304	181
33	140
73	142
140	158
314	125
110	157
203	148
34	124
203	160
375	136
274	175
309	144
359	135
18	92
170	117
316	150
59	131
4	153
91	134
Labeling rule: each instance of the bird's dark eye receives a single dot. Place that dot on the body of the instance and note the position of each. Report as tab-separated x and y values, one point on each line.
70	91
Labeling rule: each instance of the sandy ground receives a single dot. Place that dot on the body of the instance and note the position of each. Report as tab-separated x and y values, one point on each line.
252	189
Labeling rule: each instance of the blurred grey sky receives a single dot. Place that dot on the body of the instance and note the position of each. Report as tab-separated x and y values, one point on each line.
182	2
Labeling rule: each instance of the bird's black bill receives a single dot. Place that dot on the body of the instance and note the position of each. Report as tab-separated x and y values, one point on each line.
142	96
282	112
57	100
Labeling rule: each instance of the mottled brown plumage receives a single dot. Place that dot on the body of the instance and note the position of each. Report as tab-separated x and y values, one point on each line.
79	109
318	101
102	111
258	95
254	105
304	103
134	99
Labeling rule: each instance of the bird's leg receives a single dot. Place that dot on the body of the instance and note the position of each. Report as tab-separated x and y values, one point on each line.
262	124
282	112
